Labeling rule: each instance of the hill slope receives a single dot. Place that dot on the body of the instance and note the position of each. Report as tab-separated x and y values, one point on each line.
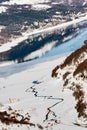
74	74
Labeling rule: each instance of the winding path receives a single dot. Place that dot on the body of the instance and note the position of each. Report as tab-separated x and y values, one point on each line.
49	111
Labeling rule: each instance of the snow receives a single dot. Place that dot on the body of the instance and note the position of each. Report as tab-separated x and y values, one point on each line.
18	86
40	6
25	35
2	27
3	9
21	2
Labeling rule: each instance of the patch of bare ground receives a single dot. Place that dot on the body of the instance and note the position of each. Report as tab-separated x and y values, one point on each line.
15	118
81	68
40	127
81	105
65	75
54	71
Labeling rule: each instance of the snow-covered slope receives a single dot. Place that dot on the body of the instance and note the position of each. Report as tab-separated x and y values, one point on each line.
74	74
31	99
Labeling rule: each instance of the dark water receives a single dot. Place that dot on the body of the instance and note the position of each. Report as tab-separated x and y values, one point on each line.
68	46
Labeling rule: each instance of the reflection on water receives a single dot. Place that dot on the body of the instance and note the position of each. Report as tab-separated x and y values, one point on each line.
68	46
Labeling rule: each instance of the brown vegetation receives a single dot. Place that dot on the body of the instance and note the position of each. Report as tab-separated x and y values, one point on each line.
81	105
13	118
65	75
66	82
81	68
40	127
54	71
78	93
74	56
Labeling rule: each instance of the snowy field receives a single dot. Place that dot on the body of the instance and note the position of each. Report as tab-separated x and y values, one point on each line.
29	89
